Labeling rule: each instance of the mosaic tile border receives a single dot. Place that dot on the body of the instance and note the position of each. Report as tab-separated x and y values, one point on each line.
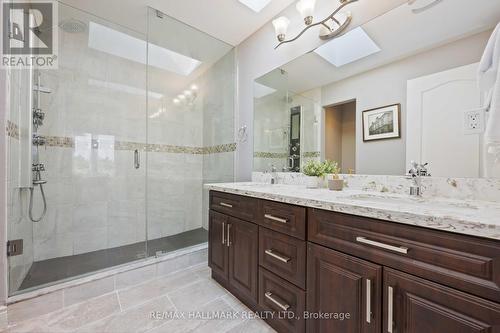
311	154
67	142
263	154
12	130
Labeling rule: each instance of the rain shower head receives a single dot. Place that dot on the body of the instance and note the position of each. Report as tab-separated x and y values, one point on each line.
73	26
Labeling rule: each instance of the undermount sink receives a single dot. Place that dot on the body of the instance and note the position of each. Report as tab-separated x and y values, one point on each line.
434	203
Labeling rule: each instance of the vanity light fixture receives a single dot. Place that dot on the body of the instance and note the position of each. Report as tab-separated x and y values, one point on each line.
331	26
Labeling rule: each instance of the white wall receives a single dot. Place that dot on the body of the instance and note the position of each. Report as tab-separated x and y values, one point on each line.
257	56
387	85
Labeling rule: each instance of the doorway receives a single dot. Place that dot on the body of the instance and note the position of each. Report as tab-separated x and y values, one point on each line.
340	135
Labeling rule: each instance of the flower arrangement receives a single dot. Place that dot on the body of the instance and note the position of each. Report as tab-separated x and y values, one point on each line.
331	168
314	168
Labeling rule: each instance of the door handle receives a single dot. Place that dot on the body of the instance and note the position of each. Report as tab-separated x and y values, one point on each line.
223	233
390	309
398	249
137	161
228	242
223	204
368	301
269	296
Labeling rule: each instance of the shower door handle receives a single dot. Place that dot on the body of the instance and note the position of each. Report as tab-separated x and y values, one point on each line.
137	161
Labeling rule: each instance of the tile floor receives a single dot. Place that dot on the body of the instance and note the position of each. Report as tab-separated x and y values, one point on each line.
155	306
52	270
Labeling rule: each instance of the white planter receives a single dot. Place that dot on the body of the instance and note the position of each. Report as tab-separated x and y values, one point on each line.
312	182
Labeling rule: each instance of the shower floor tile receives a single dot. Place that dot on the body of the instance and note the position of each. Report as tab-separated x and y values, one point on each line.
52	270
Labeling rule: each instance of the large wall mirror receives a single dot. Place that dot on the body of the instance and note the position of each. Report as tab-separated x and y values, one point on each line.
402	87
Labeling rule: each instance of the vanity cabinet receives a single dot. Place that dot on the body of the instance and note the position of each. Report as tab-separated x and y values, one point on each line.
233	255
415	305
367	275
341	284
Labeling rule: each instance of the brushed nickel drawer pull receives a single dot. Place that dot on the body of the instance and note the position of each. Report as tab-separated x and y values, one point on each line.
223	204
390	309
398	249
269	296
368	301
228	242
274	218
223	234
271	253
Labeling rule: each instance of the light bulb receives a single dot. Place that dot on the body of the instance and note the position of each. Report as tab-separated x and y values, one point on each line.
176	101
194	87
306	10
280	26
181	97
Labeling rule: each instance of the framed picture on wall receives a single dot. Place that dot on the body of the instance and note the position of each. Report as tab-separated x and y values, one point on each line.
382	123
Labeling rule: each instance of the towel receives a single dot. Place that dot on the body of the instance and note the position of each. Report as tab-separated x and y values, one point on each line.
489	83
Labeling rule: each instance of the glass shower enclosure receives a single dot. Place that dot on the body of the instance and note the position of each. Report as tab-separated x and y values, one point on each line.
107	155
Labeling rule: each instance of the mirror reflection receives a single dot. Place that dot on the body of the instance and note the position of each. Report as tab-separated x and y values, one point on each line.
400	88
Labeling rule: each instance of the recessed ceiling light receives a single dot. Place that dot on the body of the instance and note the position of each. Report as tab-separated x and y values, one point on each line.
354	45
255	5
125	46
260	90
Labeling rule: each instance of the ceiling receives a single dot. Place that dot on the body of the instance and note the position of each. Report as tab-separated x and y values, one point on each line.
399	33
227	20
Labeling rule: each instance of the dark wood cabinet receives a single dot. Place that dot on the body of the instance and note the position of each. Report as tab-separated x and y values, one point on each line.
233	255
217	248
243	239
415	305
346	289
320	271
283	255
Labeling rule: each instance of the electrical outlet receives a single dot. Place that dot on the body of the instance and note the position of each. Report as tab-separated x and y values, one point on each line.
474	121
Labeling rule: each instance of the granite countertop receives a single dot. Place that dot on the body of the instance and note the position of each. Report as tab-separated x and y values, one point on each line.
469	217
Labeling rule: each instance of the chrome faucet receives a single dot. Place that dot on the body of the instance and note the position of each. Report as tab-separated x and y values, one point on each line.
274	175
416	172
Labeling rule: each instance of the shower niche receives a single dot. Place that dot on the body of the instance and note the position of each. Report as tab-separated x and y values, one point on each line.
108	153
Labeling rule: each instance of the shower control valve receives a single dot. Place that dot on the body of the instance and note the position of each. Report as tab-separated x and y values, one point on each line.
38	140
38	117
38	167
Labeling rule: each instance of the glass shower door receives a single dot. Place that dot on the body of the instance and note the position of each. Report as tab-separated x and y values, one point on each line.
191	80
93	146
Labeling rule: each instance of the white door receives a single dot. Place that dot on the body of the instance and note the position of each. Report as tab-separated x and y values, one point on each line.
435	122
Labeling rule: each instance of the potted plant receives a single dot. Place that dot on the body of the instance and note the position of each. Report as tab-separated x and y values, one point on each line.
314	170
332	169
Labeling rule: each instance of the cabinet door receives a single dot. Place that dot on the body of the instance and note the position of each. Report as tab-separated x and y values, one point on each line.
414	305
217	246
243	263
346	289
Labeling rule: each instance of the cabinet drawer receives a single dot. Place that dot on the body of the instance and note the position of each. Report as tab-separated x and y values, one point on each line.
286	301
463	262
242	207
288	219
283	255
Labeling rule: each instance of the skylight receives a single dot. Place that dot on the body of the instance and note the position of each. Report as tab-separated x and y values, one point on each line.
354	45
255	5
260	90
125	46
